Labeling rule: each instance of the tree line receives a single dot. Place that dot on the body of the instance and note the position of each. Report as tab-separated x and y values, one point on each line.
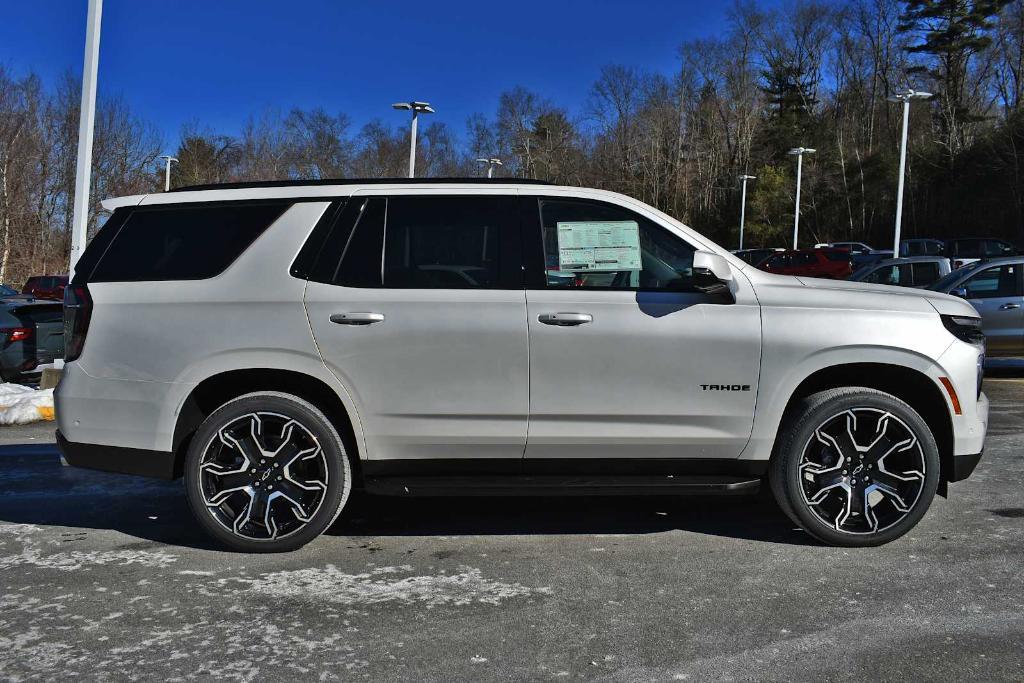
813	73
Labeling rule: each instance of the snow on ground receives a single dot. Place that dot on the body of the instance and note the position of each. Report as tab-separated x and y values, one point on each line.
22	405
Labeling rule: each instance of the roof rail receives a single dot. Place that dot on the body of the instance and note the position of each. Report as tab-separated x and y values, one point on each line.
360	181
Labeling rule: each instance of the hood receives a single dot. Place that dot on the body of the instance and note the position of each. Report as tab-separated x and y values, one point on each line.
945	304
786	290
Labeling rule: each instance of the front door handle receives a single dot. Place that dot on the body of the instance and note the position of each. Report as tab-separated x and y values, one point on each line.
1008	307
565	319
357	318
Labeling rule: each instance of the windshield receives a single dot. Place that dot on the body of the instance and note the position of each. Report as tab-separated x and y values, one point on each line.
946	280
862	272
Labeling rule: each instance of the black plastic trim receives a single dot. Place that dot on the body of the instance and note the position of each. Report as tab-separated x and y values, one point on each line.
572	485
564	466
361	181
137	461
959	467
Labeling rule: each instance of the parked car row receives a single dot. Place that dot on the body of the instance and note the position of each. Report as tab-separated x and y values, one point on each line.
975	269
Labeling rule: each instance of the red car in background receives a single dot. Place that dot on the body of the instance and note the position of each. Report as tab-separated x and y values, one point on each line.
46	286
833	264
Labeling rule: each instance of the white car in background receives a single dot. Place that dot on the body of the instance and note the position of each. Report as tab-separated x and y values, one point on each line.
279	343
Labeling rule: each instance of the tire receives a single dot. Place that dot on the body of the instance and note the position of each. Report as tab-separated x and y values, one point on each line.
267	472
855	467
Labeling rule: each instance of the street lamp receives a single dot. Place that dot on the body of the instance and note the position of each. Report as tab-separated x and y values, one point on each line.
903	96
743	203
167	173
86	121
491	163
416	108
799	153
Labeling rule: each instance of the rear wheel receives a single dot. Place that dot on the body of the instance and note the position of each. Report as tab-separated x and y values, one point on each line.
855	467
267	472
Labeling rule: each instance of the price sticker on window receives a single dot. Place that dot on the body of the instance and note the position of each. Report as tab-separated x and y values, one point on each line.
594	246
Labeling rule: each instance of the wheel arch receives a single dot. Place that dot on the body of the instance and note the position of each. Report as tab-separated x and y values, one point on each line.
911	386
216	390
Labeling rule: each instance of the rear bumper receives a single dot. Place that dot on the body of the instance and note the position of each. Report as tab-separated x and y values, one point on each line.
144	463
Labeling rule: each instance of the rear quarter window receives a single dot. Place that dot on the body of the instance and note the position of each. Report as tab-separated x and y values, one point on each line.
181	242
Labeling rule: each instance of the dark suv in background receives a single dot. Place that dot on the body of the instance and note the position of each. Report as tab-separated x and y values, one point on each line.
31	335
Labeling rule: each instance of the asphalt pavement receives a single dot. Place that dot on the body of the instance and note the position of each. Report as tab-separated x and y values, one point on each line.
107	577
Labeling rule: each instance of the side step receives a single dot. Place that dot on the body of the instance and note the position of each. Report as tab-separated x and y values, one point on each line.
564	485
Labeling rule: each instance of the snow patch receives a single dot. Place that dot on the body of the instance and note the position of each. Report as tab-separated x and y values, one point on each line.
21	405
31	554
466	586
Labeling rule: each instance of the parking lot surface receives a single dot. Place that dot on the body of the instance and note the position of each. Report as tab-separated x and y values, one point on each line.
106	576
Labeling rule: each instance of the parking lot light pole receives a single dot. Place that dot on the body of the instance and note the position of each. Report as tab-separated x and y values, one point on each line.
416	108
903	96
167	172
799	153
491	163
743	204
86	124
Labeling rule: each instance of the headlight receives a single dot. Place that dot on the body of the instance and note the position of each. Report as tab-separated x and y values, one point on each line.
965	329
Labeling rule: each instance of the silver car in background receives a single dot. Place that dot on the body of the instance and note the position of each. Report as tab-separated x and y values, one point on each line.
917	271
996	289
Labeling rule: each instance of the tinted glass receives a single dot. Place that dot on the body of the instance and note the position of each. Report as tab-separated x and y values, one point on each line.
99	244
837	255
886	275
183	242
446	242
925	273
351	255
1001	281
970	248
609	247
997	248
801	260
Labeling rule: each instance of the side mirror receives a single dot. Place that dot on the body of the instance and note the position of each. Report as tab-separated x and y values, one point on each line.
960	292
708	262
712	275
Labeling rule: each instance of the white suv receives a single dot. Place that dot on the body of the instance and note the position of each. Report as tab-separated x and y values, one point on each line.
279	343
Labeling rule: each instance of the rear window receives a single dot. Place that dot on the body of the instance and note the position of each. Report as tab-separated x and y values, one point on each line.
40	315
837	255
182	242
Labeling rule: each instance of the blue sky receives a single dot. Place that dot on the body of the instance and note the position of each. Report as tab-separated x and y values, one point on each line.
220	61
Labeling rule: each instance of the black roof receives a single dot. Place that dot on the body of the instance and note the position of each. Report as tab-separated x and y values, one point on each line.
361	181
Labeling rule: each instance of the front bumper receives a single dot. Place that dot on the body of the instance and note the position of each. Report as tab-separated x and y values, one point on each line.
959	467
144	463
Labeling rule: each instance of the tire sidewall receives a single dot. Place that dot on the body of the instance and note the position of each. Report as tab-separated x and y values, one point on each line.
788	482
339	482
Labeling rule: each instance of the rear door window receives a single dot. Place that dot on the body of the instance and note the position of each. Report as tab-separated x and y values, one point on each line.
424	242
183	242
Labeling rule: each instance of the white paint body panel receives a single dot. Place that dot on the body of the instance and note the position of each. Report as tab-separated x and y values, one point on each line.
471	373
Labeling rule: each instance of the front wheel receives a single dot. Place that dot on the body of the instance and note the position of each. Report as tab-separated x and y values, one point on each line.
267	472
855	467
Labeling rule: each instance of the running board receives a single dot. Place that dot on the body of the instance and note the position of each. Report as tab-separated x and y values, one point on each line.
564	485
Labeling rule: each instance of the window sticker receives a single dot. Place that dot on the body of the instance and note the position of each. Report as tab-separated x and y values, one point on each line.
599	246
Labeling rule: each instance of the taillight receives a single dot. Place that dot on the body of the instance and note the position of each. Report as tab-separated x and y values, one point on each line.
77	311
16	334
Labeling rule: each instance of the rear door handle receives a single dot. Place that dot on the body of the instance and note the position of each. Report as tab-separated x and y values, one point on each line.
357	318
1008	307
565	319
